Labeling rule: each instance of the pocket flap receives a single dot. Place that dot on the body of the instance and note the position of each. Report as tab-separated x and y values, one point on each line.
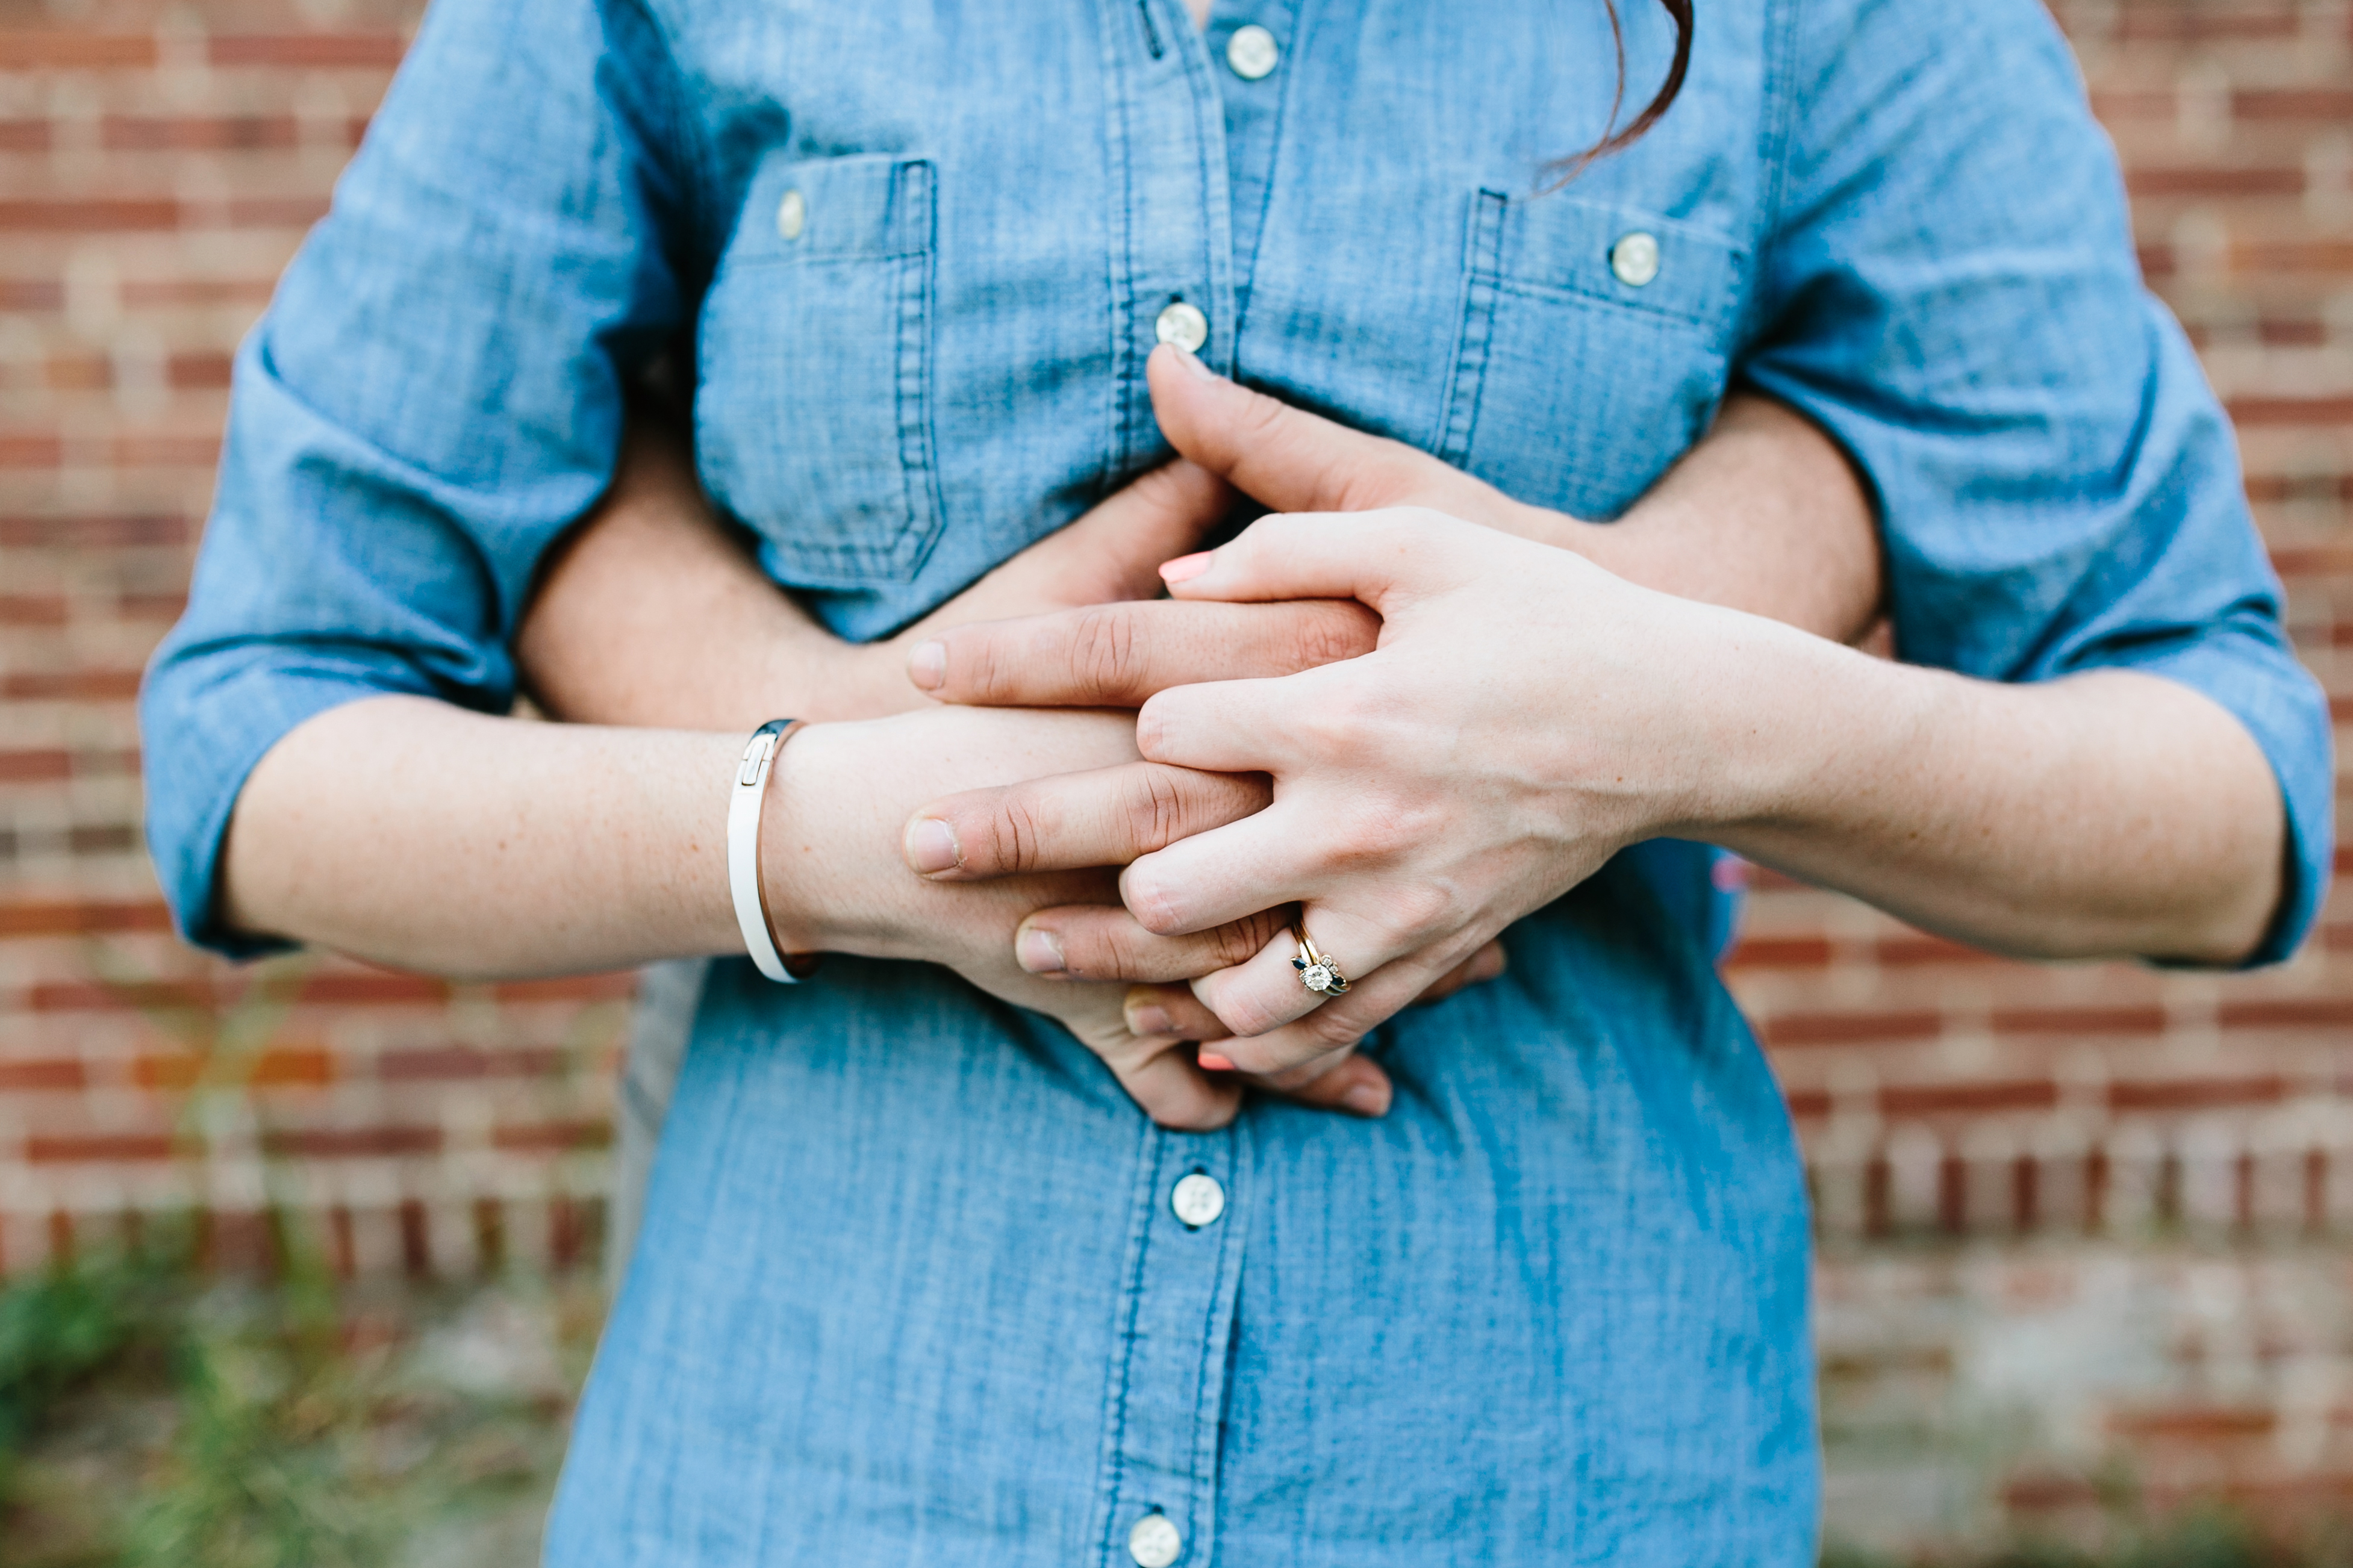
1684	271
873	206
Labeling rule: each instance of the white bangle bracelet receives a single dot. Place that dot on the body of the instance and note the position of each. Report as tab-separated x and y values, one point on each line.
751	791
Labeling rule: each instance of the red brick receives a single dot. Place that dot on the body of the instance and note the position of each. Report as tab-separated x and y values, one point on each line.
457	1064
374	986
199	370
1780	953
2196	1423
2207	181
27	767
2079	1020
2292	103
33	917
2287	1014
1966	1098
1912	948
87	214
41	1075
315	50
2195	1093
106	1149
196	133
351	1142
552	1137
70	686
2291	410
92	532
32	610
1849	1028
306	1066
28	50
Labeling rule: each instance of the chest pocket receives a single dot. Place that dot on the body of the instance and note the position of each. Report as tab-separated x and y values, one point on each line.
813	420
1592	352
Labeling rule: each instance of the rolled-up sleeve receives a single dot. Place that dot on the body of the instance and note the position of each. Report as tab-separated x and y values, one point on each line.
1948	287
431	399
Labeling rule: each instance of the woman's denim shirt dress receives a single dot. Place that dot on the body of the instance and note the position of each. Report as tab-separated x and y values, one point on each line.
912	1289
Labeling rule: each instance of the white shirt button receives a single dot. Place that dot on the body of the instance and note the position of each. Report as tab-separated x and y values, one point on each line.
1635	259
1154	1543
792	215
1183	325
1252	52
1197	1200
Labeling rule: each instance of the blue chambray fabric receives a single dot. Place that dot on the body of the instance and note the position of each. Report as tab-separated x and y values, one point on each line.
909	1288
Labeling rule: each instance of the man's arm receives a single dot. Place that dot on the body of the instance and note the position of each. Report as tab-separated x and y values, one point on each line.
653	614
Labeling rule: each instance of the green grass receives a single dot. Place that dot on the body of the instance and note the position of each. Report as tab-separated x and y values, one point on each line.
149	1417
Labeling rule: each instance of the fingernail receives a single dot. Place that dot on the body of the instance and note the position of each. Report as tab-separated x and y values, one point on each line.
1212	1062
1038	951
1185	566
1148	1020
927	667
1192	362
1368	1100
931	847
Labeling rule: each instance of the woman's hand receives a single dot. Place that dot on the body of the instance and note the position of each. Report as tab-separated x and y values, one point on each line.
1527	714
831	853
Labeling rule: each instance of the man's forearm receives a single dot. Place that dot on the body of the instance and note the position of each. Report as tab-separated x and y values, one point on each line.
653	616
1765	514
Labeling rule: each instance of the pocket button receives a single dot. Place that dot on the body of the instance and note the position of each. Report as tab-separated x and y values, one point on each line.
1634	258
792	215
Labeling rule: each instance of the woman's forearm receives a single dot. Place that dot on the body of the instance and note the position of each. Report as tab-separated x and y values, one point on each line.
415	833
2108	814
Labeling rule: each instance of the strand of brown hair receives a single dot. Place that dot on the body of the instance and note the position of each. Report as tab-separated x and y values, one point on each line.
1613	139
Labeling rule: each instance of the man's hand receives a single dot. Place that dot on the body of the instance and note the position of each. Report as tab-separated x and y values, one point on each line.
651	614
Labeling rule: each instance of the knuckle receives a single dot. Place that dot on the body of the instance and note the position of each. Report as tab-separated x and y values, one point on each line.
1104	652
1261	418
1334	1027
1331	630
1247	1015
977	667
1155	808
1415	913
1116	951
1236	943
1014	835
1151	902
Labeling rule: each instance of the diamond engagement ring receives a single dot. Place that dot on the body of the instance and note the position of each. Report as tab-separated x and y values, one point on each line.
1319	972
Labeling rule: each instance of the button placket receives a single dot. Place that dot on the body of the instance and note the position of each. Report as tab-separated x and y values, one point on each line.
1183	1281
1172	237
1258	62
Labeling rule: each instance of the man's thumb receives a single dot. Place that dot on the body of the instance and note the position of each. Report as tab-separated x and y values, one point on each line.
1285	459
1116	549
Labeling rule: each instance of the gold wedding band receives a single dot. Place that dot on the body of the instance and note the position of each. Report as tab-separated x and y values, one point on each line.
1318	972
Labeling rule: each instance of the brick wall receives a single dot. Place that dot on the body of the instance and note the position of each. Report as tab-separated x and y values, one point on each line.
1998	1149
